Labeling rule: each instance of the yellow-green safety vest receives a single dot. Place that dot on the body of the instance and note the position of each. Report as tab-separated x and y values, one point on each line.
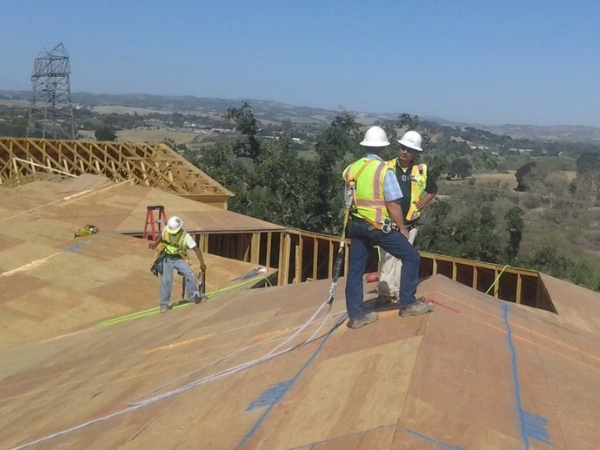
418	182
369	199
175	244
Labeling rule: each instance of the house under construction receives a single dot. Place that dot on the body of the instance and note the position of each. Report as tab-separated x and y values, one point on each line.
507	360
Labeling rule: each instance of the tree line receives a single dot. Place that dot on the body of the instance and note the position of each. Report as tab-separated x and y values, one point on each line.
304	189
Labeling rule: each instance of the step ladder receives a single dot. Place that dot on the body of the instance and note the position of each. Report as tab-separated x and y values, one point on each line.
154	224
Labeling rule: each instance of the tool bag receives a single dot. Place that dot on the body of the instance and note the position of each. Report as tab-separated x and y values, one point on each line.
157	267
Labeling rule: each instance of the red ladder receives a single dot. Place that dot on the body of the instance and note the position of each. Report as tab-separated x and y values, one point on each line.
154	225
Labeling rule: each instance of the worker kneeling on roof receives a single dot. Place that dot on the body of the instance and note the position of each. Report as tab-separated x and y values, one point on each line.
173	247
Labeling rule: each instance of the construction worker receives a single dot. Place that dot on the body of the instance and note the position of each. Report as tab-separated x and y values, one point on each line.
175	243
376	219
418	189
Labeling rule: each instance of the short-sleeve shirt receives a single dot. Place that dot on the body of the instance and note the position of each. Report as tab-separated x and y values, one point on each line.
188	240
391	188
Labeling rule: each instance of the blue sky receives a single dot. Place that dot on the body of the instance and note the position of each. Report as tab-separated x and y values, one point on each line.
476	61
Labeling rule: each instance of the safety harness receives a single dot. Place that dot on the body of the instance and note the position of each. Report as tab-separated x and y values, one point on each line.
376	202
174	245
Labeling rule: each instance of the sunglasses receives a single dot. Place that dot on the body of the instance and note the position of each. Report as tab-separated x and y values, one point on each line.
406	149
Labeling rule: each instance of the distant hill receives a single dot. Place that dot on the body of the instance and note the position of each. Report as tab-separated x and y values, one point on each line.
278	112
558	133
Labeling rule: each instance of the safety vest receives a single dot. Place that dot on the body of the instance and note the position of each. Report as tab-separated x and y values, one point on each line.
174	244
369	200
418	182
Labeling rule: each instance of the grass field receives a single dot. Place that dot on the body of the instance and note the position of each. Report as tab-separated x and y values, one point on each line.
508	180
155	136
501	179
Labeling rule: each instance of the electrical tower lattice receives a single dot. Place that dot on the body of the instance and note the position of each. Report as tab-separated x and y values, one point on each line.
51	113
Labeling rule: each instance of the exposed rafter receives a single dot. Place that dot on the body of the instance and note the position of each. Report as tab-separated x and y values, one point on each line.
154	165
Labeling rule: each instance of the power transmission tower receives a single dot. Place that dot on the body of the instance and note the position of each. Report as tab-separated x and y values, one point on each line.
51	107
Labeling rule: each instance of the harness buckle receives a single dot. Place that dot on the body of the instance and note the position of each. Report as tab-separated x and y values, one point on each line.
386	227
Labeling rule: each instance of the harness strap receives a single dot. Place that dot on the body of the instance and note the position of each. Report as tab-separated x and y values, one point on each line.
364	203
177	244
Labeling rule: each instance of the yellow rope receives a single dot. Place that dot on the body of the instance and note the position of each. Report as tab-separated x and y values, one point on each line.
155	310
497	279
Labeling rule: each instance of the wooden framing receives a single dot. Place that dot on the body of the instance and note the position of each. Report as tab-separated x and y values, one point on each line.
299	256
153	165
507	283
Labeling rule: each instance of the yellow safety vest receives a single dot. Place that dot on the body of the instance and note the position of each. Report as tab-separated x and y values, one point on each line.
418	182
174	244
369	199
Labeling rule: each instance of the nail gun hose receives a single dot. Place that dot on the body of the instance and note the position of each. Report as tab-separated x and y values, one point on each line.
337	271
339	262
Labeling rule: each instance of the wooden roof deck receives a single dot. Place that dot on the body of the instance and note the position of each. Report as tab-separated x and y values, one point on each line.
476	373
87	362
53	282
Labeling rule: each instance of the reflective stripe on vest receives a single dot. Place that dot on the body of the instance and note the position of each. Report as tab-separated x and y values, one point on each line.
175	243
418	182
369	199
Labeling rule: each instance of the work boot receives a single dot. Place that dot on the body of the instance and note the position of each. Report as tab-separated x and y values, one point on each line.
164	309
416	310
366	320
199	298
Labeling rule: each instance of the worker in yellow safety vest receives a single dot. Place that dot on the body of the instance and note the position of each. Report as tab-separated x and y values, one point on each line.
418	190
173	247
376	219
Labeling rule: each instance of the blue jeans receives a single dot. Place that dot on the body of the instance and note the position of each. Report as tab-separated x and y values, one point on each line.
364	237
166	282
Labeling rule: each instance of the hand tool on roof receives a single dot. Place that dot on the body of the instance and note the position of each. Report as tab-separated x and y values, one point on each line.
202	282
253	273
88	230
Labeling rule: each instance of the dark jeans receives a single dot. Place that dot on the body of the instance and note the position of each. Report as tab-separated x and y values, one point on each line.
364	237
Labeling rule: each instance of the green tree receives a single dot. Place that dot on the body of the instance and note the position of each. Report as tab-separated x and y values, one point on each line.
515	224
436	165
521	175
460	167
247	125
179	148
436	237
331	147
105	133
409	122
489	241
548	260
588	162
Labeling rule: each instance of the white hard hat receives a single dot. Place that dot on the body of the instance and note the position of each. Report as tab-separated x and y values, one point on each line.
412	139
375	137
174	225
